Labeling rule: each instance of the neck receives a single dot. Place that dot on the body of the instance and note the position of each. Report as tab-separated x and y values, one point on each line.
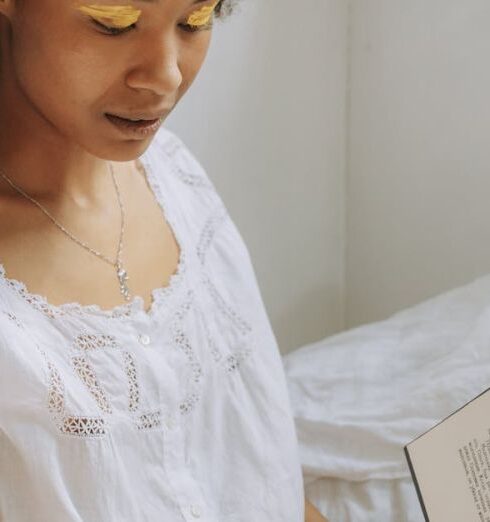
50	169
49	165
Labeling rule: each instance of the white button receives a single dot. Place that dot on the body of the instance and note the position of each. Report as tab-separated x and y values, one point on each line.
196	512
144	339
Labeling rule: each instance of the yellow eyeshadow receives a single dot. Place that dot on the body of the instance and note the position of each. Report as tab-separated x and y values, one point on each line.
119	15
202	15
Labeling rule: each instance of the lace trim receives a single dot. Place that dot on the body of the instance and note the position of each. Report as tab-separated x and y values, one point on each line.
215	352
209	230
242	325
149	421
189	178
87	374
243	346
127	309
233	361
56	394
83	426
90	341
170	147
134	392
12	317
68	424
94	426
171	144
182	342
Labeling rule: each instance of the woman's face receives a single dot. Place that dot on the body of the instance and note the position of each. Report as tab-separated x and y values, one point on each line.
62	70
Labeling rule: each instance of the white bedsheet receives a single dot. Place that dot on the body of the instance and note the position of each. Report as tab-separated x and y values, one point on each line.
359	396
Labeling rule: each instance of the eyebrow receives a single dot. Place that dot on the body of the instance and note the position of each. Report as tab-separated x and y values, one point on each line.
154	1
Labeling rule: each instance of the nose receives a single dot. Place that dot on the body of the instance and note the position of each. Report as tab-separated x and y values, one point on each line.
157	67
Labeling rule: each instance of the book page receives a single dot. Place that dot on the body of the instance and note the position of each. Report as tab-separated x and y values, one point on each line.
451	463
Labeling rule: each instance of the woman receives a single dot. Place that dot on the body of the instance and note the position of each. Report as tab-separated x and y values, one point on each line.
139	377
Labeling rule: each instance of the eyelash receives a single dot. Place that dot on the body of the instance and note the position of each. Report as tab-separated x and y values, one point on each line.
114	31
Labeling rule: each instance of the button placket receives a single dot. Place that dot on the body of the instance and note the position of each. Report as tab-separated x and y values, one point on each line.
144	339
170	421
195	511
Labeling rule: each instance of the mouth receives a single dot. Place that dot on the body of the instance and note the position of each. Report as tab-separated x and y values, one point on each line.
142	121
141	127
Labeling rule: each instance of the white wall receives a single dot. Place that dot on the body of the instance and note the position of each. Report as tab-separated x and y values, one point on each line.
418	197
266	118
349	142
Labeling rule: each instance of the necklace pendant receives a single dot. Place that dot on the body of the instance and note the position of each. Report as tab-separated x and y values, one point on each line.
123	277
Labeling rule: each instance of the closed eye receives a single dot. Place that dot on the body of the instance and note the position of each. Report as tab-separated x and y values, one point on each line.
115	31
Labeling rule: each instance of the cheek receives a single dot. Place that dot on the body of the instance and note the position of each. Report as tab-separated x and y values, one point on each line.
191	62
54	75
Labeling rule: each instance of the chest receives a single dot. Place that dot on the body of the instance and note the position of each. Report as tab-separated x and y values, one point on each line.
35	251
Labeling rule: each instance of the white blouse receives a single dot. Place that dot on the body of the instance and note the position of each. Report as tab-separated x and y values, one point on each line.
180	413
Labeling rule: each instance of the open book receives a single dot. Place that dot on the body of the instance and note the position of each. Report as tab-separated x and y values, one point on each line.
450	465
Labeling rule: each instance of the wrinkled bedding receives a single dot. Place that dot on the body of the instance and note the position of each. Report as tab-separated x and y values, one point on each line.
359	396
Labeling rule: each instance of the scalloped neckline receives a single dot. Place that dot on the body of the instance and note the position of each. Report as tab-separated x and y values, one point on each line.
137	304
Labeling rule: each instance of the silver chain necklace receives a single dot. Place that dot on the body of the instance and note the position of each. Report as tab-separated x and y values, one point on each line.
121	272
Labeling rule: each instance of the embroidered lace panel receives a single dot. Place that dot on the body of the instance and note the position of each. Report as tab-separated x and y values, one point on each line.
226	309
95	426
12	317
83	426
170	148
85	343
69	424
230	362
148	421
210	227
134	392
182	343
87	375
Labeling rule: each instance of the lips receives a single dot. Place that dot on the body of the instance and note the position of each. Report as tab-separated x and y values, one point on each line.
140	116
143	121
141	128
133	118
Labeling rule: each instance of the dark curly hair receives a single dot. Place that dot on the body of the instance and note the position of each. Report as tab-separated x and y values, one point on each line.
224	8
